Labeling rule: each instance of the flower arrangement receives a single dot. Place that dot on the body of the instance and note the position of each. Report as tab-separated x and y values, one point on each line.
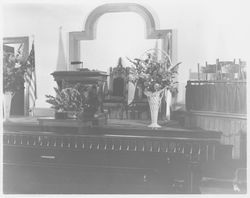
157	78
79	99
153	74
13	73
69	99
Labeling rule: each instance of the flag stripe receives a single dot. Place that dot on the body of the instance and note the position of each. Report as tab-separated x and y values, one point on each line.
31	78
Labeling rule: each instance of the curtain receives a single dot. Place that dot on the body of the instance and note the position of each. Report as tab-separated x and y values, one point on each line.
218	97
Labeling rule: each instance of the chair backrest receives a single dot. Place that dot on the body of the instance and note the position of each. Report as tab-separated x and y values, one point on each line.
207	72
221	70
229	70
227	66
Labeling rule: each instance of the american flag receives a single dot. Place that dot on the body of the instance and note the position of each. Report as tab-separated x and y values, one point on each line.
30	78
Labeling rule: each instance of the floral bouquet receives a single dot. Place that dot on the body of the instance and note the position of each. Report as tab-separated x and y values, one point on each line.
69	99
13	73
153	74
156	78
79	100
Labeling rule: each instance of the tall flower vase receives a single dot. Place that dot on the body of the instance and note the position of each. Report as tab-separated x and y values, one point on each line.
7	105
154	100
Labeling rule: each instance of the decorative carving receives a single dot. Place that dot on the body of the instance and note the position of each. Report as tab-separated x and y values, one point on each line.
116	98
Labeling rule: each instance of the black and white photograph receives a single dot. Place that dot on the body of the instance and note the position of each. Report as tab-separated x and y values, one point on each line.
124	97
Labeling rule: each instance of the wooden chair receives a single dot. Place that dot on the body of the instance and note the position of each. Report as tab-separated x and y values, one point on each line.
207	72
227	70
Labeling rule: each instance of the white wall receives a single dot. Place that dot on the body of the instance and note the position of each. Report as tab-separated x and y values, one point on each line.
206	30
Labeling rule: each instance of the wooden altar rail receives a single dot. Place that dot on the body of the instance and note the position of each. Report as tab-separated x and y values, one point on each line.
103	152
177	159
119	145
194	149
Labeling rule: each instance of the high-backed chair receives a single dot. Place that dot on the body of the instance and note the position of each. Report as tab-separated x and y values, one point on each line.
116	96
118	82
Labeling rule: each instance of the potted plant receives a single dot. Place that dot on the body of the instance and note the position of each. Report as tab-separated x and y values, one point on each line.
14	70
67	100
157	77
78	102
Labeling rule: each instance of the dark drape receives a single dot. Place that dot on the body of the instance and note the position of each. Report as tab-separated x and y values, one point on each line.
226	97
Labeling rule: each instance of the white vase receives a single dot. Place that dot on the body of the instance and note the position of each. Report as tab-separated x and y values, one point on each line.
154	100
7	105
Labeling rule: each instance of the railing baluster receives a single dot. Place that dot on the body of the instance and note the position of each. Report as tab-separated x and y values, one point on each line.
34	143
14	139
207	148
199	153
191	152
213	152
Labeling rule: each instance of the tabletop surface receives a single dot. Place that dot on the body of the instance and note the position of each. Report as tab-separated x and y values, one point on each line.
120	127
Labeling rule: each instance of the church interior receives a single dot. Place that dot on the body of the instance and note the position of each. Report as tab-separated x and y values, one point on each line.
114	97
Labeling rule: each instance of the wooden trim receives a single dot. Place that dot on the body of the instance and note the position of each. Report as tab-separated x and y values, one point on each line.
217	114
17	40
217	81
